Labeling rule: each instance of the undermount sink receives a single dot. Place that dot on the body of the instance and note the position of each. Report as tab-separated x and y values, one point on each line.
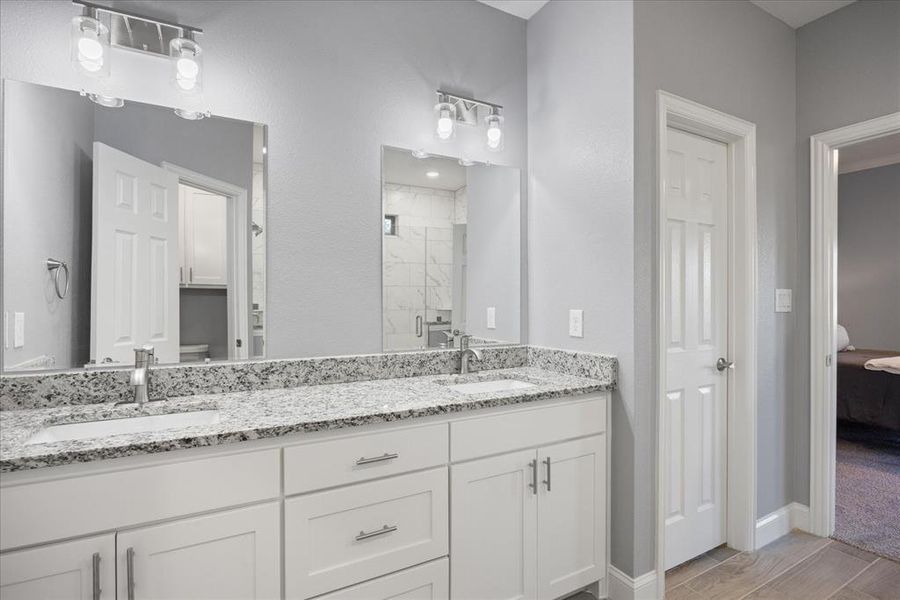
144	424
495	385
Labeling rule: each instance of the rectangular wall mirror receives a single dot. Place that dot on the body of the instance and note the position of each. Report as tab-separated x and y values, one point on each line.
451	256
129	226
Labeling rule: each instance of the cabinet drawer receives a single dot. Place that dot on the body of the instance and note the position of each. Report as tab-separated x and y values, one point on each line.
339	537
425	582
483	436
331	463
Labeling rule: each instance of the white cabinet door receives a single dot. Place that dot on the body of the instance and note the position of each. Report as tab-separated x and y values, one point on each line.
425	582
80	570
205	237
494	524
571	516
228	555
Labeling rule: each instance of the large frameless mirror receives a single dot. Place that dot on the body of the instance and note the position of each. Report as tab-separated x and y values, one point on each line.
451	254
129	226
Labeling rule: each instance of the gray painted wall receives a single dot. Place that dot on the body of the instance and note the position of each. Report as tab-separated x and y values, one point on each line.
734	57
493	259
869	257
580	221
204	320
334	81
47	213
841	79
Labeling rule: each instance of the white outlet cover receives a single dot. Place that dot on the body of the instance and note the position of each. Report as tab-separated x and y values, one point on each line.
492	317
783	300
576	323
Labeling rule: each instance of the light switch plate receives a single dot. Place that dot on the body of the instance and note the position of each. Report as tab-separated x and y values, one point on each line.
19	337
492	317
783	300
576	323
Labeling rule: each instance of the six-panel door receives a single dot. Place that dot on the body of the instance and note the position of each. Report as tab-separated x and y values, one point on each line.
229	555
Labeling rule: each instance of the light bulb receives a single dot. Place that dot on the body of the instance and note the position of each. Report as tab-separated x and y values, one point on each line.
445	115
445	125
187	64
494	137
188	68
432	174
90	46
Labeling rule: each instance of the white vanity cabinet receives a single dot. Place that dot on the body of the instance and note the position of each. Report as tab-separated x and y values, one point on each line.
83	569
229	555
203	237
499	503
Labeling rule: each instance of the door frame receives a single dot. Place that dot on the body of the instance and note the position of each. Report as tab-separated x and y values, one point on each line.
239	253
740	138
823	222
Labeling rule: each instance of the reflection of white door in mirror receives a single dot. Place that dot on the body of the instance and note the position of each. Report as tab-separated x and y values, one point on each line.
134	274
203	243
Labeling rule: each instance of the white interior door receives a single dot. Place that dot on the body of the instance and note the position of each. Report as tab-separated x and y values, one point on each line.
134	277
696	334
205	241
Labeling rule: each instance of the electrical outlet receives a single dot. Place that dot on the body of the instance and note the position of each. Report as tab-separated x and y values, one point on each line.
492	317
576	323
783	300
19	337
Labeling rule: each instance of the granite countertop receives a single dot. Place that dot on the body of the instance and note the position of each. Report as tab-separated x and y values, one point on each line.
271	413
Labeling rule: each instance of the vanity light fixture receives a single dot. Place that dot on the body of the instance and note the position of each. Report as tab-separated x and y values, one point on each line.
90	44
187	64
452	109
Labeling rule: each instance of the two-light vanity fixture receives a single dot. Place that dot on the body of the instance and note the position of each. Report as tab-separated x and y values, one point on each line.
452	109
100	28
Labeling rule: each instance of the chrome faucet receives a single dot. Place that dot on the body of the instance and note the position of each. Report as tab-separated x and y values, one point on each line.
466	353
140	376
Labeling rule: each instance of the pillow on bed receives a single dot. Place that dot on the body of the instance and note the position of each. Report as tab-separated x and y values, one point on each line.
841	338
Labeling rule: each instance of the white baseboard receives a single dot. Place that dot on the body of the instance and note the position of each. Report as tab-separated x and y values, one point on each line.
624	587
780	522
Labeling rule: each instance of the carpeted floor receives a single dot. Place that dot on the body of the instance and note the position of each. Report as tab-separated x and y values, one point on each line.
867	502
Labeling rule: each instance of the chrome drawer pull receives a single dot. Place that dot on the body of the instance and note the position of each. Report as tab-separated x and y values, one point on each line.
363	535
95	568
129	570
534	476
547	481
367	461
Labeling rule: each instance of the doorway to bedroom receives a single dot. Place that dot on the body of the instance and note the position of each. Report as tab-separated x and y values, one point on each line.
867	344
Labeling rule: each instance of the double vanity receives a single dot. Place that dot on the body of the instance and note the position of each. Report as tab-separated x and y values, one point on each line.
378	476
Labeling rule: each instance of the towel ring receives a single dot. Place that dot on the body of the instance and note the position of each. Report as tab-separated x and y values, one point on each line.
59	265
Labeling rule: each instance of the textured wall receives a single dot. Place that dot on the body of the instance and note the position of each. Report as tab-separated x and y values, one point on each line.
334	81
580	222
734	57
869	257
842	78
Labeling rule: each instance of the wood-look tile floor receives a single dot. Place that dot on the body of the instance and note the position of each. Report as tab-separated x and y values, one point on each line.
799	566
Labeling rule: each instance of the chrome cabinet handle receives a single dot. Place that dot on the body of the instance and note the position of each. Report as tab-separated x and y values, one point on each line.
419	328
129	569
181	274
95	568
534	476
376	459
723	364
547	481
364	535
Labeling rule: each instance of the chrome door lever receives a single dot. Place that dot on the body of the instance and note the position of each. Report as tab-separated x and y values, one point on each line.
723	364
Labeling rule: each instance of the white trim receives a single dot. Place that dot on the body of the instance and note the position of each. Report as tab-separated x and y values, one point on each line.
823	171
238	304
740	137
623	587
872	163
780	522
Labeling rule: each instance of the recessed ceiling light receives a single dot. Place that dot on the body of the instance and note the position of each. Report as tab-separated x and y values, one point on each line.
431	174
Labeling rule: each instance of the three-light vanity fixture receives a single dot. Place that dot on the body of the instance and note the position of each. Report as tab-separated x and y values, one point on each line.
452	110
100	28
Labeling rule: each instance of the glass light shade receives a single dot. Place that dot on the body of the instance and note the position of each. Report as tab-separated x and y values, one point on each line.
187	65
445	121
90	46
494	134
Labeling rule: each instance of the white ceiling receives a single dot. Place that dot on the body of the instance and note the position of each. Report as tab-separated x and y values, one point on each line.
798	13
400	166
524	9
868	155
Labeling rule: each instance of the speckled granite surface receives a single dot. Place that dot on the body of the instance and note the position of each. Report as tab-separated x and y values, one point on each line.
268	413
46	390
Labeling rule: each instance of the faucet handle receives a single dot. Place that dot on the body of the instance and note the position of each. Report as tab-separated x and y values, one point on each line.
144	354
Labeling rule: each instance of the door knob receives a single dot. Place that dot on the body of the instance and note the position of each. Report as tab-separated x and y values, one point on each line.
723	364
